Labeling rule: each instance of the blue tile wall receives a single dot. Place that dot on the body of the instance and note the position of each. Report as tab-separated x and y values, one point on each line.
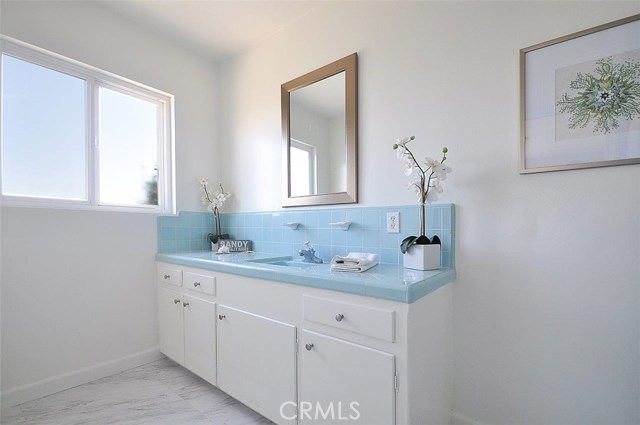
368	232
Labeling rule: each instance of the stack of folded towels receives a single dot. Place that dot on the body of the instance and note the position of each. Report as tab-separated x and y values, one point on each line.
357	262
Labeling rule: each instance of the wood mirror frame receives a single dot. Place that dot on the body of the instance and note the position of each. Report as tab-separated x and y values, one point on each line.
348	65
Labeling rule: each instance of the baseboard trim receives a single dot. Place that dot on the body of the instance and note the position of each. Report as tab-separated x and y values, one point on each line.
460	419
45	387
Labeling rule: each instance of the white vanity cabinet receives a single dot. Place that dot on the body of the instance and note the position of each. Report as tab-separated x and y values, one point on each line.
299	354
187	322
257	361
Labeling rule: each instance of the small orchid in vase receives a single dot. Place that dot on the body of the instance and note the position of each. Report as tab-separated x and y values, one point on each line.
214	201
425	180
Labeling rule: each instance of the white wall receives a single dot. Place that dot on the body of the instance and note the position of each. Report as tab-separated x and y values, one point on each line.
547	315
78	288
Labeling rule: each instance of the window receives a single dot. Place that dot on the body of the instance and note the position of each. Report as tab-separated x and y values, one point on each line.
303	168
78	137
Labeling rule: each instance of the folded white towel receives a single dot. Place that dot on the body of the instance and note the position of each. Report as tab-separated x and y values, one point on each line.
354	269
354	262
356	259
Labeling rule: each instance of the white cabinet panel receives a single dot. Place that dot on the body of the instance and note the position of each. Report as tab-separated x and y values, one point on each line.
356	380
171	324
257	361
200	337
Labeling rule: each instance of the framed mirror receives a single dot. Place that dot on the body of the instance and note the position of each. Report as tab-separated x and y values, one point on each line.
320	135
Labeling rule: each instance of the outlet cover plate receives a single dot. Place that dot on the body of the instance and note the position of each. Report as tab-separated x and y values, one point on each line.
393	222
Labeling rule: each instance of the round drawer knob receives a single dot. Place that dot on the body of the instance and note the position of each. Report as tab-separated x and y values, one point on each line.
309	347
176	301
339	317
221	316
167	276
185	304
196	284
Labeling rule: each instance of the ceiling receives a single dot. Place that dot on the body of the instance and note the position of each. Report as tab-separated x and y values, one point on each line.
217	28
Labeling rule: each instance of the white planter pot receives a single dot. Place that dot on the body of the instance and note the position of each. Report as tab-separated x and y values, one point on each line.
422	257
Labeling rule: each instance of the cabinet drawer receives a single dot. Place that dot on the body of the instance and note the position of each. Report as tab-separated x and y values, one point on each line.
170	275
356	318
200	283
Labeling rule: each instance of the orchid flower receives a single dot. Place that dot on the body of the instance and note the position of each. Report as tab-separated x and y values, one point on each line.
425	178
214	201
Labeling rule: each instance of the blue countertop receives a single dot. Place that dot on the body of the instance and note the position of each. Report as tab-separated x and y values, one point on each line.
387	281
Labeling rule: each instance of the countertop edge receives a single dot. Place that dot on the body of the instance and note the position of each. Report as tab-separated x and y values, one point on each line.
406	293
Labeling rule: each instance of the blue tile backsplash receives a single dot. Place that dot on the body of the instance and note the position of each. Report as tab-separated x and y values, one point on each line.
368	231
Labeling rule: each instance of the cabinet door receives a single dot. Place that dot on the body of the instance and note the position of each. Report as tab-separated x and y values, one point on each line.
171	324
200	337
257	361
345	382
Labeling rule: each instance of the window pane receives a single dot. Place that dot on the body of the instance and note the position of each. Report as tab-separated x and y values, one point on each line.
129	137
300	172
44	132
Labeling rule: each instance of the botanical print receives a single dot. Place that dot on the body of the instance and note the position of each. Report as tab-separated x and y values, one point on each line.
598	97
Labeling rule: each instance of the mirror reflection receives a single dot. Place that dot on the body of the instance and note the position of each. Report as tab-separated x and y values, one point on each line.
317	148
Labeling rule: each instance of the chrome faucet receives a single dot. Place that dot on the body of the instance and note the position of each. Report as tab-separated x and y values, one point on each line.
309	253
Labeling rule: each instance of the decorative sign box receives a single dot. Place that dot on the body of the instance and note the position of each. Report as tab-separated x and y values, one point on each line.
235	246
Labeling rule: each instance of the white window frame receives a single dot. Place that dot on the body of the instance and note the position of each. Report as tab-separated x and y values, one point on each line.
95	79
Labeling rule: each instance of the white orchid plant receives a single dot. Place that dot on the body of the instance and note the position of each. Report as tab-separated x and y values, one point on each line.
214	200
425	181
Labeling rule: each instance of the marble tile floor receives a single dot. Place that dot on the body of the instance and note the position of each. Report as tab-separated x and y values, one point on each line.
157	393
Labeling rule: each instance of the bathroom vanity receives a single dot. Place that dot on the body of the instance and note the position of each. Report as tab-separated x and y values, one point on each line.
298	343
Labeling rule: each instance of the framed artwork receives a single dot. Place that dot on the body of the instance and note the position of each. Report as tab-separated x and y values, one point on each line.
580	99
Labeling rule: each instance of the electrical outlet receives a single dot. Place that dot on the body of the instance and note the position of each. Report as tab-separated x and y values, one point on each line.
393	222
